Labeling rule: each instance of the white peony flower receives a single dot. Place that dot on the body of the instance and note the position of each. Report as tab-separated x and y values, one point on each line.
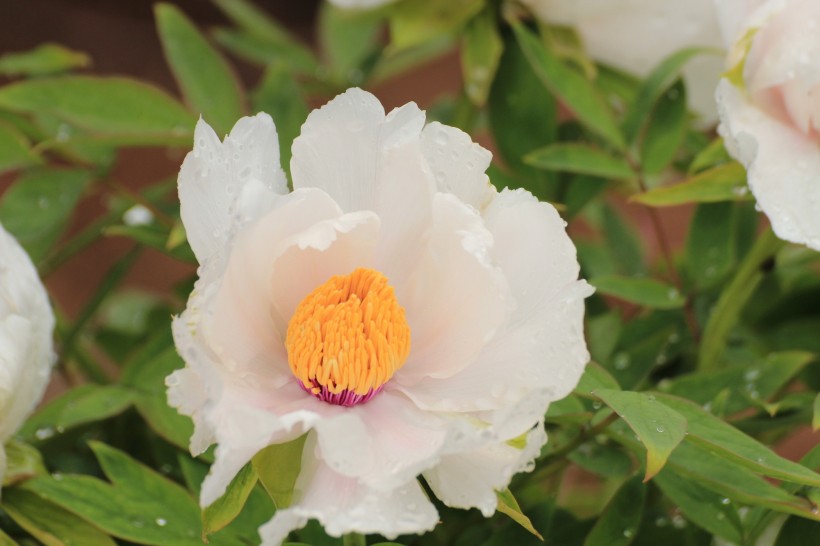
26	345
395	307
770	111
636	35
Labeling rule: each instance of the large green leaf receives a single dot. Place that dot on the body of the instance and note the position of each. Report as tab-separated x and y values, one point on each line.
49	523
710	246
207	82
659	427
224	510
138	505
733	445
726	182
78	406
15	151
618	523
480	53
641	291
572	88
581	159
37	207
277	467
666	130
595	377
43	60
105	107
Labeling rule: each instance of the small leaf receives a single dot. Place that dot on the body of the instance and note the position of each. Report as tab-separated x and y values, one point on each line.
581	159
480	53
209	85
508	505
224	510
22	462
413	23
577	93
641	291
726	182
703	507
277	467
659	427
78	406
595	377
264	50
155	236
37	207
50	524
619	522
105	107
44	60
666	130
711	156
15	151
350	39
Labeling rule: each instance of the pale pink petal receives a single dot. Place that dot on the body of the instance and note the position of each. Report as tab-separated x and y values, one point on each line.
782	165
456	299
214	173
342	505
458	163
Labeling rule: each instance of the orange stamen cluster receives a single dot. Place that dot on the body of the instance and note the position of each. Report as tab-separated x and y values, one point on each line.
348	337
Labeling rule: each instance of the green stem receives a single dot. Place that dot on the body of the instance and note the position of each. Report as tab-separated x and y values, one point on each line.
354	539
734	298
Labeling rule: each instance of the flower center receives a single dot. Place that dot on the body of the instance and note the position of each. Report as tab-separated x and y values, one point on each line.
347	338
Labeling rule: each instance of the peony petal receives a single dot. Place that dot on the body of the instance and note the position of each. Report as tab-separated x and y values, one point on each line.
782	166
470	480
458	163
214	173
343	505
456	299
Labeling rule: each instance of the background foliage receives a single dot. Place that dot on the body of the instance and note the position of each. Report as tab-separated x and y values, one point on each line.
703	356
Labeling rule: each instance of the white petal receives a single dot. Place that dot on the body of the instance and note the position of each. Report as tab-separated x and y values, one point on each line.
782	165
342	506
636	35
458	163
470	480
456	298
214	173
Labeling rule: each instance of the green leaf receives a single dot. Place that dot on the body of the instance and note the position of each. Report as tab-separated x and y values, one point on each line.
618	523
595	377
37	207
350	39
659	427
78	406
105	107
156	236
666	130
264	50
14	149
641	291
815	419
22	462
720	438
710	246
606	460
522	114
207	82
508	505
6	540
796	531
277	467
279	95
655	85
43	60
50	524
703	507
138	505
573	89
413	23
147	382
711	156
481	51
726	182
224	510
581	159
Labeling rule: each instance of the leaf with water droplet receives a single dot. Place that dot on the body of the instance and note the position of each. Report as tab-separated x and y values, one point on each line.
616	525
660	428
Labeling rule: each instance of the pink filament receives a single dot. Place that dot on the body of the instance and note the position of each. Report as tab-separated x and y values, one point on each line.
345	398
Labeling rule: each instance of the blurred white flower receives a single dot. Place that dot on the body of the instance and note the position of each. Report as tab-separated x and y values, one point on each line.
636	35
26	345
393	306
770	110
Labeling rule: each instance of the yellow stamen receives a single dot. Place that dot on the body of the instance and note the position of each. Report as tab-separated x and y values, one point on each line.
348	336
